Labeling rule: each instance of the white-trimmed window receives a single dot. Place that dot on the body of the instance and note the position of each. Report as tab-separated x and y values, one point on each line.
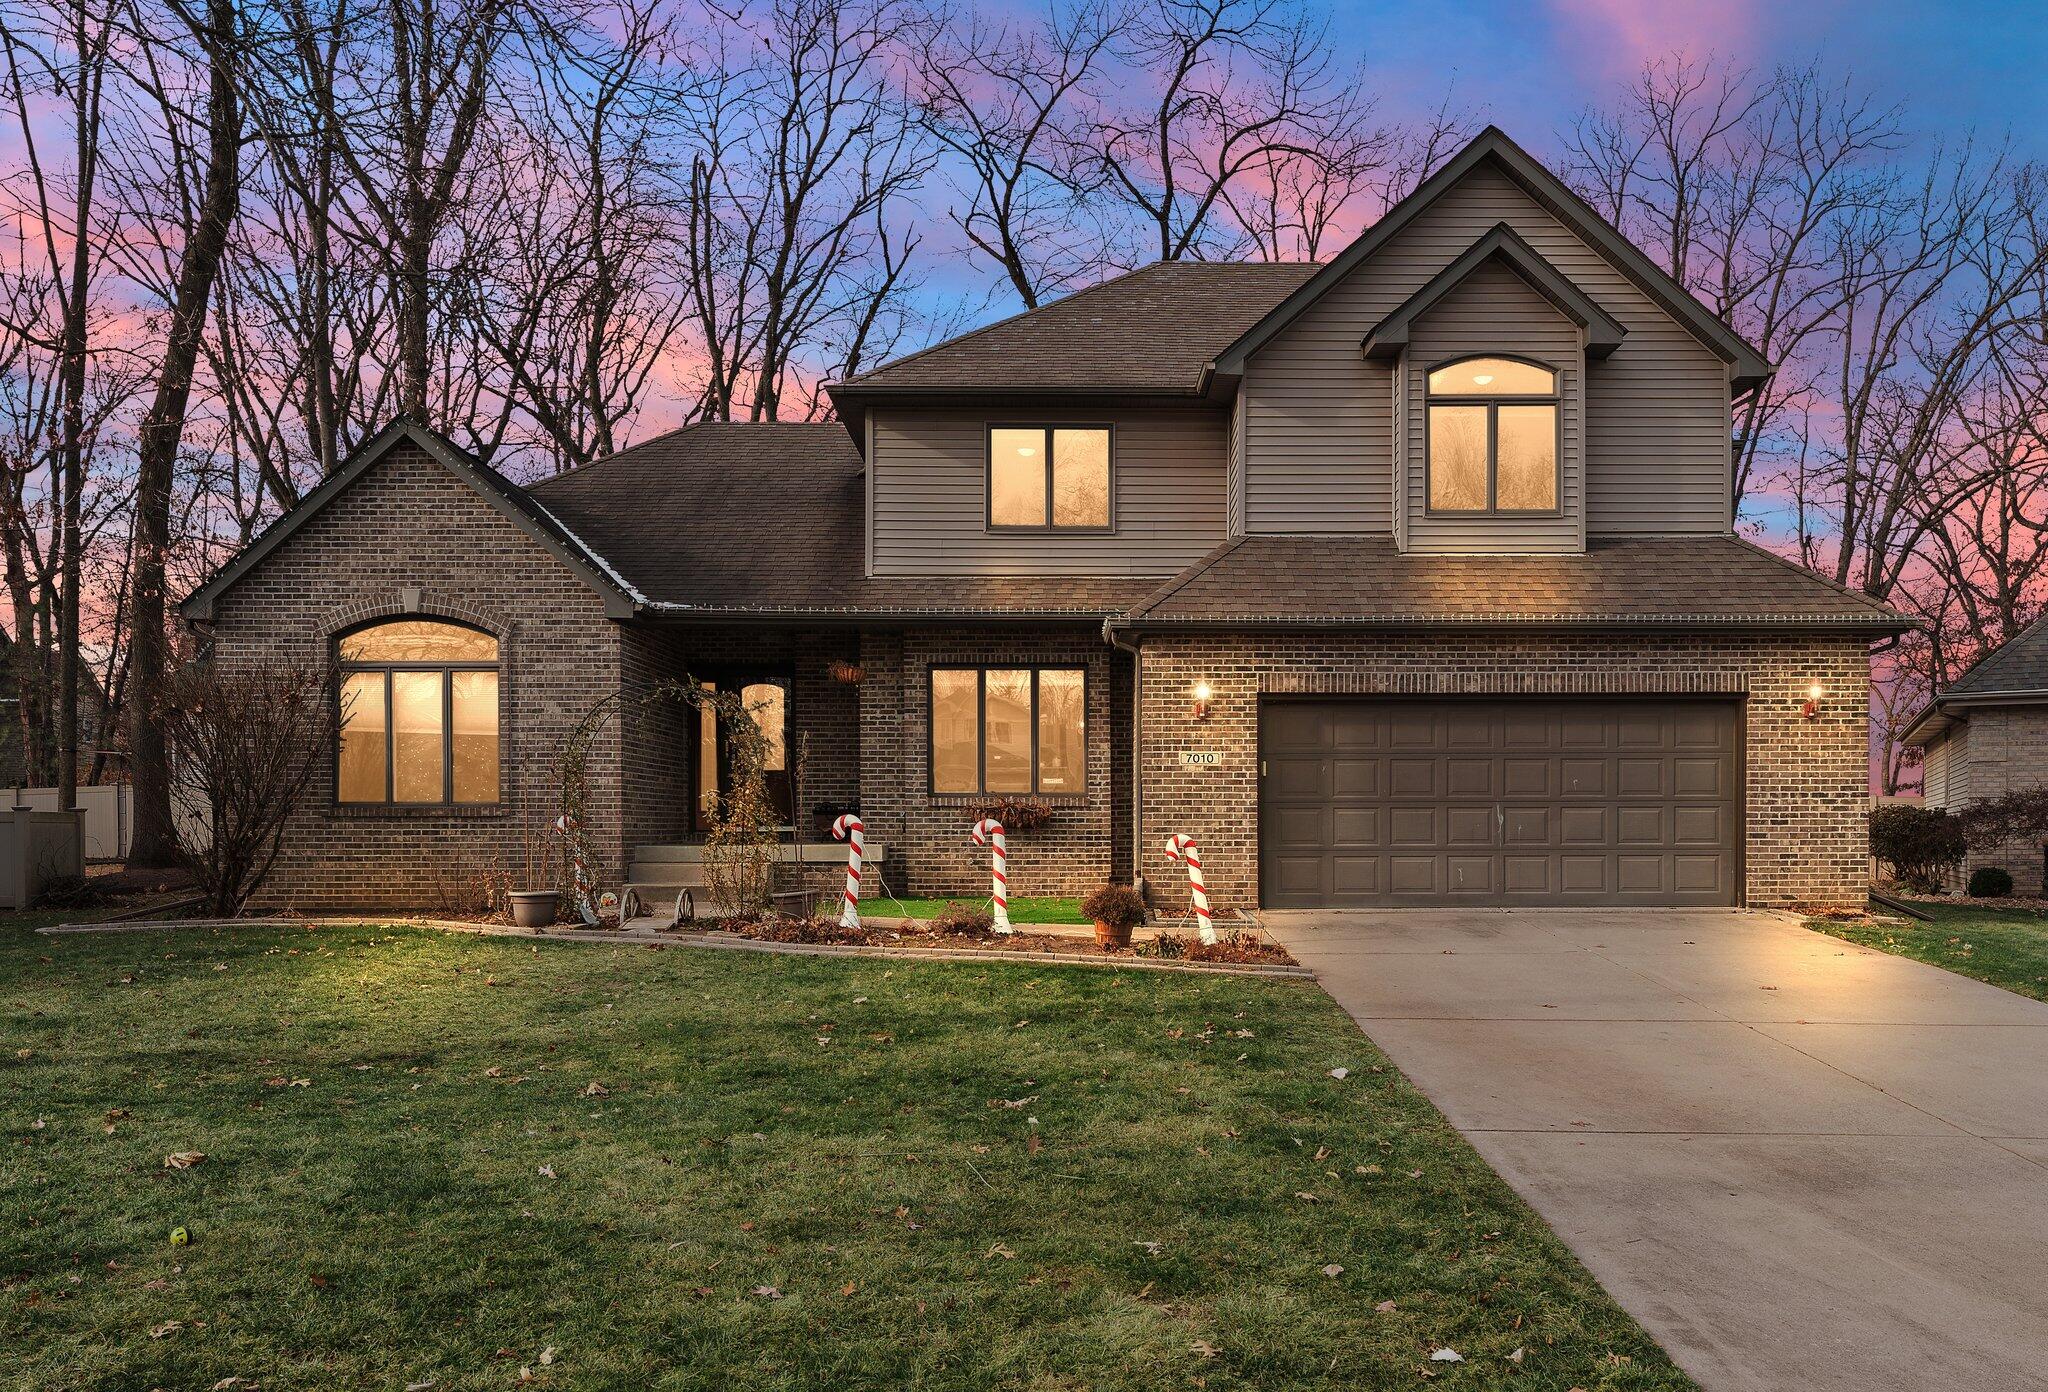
419	714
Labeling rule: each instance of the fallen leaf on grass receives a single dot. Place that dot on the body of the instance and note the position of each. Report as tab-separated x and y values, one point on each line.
1152	1249
1445	1355
547	1171
995	1102
1032	1143
494	1071
167	1328
1515	1357
1305	1196
1340	1074
767	1292
547	1355
1385	1307
1333	1270
421	1386
848	1288
183	1159
596	1089
1203	1348
999	1250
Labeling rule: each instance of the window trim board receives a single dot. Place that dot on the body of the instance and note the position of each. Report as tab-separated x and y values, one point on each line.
991	527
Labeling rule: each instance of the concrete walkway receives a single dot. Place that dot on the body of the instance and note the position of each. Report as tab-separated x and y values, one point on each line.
1799	1163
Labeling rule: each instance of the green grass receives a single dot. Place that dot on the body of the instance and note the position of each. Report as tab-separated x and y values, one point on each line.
2006	947
829	1127
1032	909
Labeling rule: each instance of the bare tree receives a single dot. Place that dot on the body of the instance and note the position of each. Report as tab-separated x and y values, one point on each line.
1005	102
1220	92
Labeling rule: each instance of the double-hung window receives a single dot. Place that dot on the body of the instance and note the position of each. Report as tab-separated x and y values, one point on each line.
1049	477
1493	437
419	714
1009	730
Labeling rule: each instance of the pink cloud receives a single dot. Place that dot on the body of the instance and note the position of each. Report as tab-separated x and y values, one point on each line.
1611	38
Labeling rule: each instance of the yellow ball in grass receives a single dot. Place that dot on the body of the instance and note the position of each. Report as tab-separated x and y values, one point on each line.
179	1237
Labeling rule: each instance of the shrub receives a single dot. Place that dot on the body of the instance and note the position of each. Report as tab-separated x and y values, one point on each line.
1118	905
1990	882
963	920
1919	844
1017	814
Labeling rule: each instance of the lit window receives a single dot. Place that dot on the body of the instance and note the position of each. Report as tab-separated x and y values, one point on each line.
764	697
419	714
1009	730
1492	437
1049	477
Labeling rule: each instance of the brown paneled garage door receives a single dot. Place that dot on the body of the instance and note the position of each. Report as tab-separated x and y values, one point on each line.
1373	802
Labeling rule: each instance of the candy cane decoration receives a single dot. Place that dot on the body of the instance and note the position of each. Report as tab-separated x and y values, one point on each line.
586	883
848	829
989	832
1181	846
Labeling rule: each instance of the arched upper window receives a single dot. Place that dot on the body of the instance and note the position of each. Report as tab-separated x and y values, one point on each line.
419	714
1492	437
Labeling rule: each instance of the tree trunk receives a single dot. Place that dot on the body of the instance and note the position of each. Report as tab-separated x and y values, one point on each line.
155	840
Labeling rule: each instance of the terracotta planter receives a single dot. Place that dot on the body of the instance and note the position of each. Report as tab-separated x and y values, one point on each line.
1112	938
534	908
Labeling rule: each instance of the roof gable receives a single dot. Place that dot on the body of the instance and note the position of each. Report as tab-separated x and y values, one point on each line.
1504	246
2019	664
500	492
1492	147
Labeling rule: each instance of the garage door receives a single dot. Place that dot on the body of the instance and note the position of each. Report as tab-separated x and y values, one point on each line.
1568	802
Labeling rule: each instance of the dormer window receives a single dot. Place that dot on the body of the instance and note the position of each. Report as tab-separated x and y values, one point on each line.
1048	478
1492	444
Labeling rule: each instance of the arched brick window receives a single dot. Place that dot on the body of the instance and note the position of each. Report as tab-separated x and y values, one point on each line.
419	714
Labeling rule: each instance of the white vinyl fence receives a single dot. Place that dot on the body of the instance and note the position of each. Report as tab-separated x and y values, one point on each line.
109	814
35	848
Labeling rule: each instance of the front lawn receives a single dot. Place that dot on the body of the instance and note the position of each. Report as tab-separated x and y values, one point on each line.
447	1159
2006	947
1029	909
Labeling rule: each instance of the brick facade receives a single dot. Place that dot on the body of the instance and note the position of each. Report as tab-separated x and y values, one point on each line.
408	523
1995	750
928	834
1806	786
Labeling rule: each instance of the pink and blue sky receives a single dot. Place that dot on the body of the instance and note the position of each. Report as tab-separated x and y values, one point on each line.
1529	67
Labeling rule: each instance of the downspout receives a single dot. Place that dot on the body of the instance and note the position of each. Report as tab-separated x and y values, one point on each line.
1109	631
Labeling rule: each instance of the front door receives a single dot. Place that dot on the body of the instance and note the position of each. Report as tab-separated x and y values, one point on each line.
765	696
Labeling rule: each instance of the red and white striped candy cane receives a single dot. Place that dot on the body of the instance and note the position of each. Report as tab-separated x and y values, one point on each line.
1181	846
989	832
848	829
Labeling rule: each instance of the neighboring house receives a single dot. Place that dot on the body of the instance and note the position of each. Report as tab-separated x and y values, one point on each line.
1985	734
1408	579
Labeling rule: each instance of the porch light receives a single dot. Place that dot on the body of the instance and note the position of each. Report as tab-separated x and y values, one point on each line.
1814	693
1202	695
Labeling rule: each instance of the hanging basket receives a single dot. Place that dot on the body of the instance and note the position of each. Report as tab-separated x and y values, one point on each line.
844	672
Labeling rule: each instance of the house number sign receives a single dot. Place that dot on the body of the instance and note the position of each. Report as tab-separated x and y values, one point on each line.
1200	758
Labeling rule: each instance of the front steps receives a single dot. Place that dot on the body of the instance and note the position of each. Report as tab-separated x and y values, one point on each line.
659	874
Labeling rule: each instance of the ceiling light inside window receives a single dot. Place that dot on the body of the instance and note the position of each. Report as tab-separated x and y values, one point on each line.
1482	378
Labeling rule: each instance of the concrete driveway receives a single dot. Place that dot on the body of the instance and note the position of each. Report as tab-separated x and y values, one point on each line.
1799	1163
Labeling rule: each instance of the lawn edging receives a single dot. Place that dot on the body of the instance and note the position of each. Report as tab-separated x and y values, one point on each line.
641	937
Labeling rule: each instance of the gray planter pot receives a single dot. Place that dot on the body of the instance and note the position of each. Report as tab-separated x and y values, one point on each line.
534	908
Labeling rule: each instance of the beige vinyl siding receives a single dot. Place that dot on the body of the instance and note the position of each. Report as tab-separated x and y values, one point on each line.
1319	417
927	481
1494	311
1937	766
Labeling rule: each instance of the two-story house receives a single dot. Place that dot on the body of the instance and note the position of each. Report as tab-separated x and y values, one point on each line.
1405	579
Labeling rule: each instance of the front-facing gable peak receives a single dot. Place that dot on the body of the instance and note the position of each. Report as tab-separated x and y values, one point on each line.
1503	246
1749	369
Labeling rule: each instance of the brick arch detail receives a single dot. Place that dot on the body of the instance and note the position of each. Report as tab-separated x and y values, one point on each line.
391	605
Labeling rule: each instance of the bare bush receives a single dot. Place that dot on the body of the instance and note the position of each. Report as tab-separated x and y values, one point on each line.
245	741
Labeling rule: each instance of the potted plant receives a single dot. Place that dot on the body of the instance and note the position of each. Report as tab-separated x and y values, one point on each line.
1116	909
537	908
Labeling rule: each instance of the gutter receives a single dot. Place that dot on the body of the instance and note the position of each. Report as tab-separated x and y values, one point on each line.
1110	633
1618	623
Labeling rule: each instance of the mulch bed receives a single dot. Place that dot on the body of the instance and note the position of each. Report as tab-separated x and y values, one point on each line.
1243	949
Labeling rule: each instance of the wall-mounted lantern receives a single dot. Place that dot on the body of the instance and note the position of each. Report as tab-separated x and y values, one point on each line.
1202	696
1814	693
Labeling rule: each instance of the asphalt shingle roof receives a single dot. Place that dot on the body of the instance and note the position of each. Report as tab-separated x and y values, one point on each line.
769	518
1697	580
1153	330
2018	664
